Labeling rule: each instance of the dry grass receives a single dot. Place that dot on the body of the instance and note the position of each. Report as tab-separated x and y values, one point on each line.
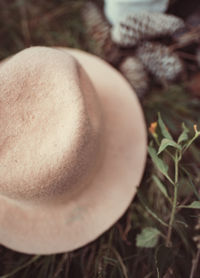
114	254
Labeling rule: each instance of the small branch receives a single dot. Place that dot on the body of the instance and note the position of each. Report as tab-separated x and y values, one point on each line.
190	142
173	212
168	239
25	25
32	260
195	264
187	55
120	260
151	212
60	265
186	39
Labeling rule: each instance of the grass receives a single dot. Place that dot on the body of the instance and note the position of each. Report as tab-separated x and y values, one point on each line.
116	253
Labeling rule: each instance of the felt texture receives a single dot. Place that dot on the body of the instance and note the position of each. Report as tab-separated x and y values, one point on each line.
73	149
48	129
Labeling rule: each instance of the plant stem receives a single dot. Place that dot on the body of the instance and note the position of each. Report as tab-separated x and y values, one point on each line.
168	239
150	211
195	264
174	204
190	143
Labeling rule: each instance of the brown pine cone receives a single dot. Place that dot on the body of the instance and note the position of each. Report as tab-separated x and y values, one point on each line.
97	27
143	26
134	71
160	61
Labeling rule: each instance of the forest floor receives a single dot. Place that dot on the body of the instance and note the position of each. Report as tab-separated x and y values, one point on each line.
143	243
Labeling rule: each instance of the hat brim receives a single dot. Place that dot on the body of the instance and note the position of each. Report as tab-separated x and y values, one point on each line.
53	229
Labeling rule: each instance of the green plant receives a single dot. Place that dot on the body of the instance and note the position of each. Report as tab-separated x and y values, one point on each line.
167	155
114	254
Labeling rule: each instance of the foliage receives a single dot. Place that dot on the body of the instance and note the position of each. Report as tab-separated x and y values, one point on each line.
148	238
155	236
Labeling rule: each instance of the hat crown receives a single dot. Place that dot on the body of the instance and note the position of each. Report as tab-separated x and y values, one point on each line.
50	125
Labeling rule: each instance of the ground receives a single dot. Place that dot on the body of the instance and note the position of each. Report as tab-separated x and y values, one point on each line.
142	243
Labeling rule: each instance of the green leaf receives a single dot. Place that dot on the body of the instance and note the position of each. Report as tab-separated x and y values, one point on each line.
166	143
148	237
163	128
161	187
193	205
184	135
159	163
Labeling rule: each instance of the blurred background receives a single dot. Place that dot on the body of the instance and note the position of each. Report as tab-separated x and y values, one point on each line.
161	60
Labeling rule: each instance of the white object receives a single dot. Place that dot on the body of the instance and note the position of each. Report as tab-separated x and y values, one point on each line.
116	9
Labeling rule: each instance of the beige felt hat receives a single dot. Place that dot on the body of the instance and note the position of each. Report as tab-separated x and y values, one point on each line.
72	149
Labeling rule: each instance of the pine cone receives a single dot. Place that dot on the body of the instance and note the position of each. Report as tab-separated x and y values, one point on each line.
97	27
159	61
135	73
143	26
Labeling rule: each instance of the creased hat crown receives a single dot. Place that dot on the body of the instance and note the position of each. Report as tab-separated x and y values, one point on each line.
50	125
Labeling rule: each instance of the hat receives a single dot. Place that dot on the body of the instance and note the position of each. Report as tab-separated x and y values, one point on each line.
72	149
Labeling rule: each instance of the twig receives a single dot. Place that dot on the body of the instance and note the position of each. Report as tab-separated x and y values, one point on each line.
25	25
60	265
151	212
186	55
21	267
124	233
185	201
173	212
187	38
119	258
195	264
90	260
